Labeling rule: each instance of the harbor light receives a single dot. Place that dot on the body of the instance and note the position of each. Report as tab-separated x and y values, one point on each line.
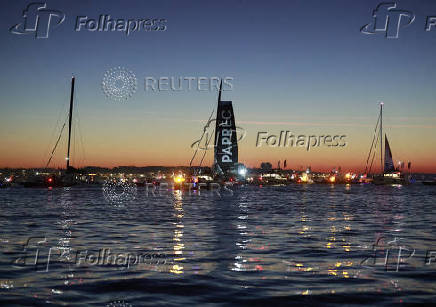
332	179
179	179
242	171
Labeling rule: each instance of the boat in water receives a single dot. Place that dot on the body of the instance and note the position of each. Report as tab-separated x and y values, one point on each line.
63	178
226	168
389	174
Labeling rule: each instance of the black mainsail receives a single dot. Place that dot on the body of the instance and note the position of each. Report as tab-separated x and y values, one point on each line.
389	163
226	142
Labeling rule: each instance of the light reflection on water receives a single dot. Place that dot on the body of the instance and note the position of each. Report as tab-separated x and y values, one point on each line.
178	248
272	242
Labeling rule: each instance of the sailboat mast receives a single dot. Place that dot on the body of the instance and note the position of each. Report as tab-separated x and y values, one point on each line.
216	132
219	95
381	138
69	122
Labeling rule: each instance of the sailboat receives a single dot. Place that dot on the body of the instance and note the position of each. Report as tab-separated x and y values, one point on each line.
67	178
388	173
226	166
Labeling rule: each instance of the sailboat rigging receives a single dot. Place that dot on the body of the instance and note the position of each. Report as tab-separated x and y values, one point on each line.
388	173
66	179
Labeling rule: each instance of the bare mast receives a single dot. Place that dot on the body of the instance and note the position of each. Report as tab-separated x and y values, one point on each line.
381	139
69	122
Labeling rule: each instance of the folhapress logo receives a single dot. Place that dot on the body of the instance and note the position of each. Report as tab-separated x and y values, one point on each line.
388	20
38	20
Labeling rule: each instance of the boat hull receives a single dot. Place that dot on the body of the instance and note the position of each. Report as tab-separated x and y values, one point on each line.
388	180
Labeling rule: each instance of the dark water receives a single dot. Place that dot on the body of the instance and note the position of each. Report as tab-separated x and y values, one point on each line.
297	244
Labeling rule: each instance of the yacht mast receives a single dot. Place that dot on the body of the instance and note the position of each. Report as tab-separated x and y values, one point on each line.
381	139
216	132
69	122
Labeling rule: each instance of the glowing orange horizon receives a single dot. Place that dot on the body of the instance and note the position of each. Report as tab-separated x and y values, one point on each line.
157	142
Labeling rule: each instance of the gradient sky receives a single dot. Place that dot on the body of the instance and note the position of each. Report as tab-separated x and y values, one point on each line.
298	65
